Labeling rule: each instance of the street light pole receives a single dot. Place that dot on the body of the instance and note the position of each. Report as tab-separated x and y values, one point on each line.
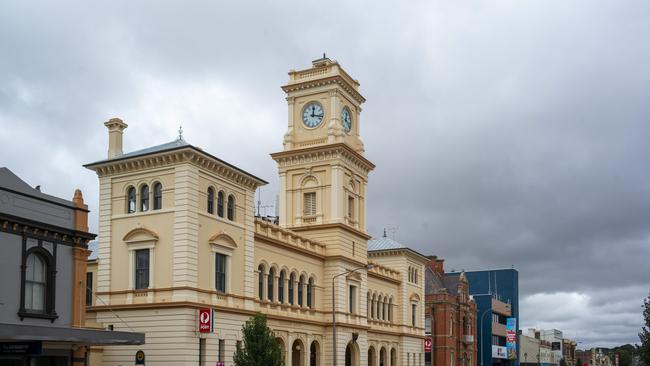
367	267
482	317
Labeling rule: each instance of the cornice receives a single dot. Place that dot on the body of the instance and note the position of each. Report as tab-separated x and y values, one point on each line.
184	154
336	79
323	152
21	226
336	225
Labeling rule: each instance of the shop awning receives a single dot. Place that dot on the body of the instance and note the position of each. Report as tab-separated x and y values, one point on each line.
19	332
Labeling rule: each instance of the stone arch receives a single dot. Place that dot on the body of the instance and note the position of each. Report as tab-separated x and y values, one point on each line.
297	353
314	354
283	348
223	238
352	354
309	181
140	234
383	357
393	357
372	356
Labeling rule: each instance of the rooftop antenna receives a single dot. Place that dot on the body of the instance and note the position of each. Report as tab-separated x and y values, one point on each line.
393	231
384	232
180	133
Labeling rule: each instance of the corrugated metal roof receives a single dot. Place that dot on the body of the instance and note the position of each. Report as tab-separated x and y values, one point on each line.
384	243
149	150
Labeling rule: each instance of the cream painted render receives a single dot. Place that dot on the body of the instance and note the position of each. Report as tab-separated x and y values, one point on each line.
183	239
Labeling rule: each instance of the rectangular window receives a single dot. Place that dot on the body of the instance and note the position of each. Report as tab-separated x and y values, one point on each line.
310	203
351	207
89	288
414	309
201	351
142	269
351	299
222	350
427	325
220	275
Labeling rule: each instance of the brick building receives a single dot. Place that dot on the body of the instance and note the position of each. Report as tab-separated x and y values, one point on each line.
450	317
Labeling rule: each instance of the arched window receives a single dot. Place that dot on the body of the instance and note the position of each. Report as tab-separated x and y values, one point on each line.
372	307
310	293
260	281
281	287
157	196
36	283
292	281
301	284
220	204
390	309
451	326
211	200
383	309
269	282
313	354
144	198
130	200
231	208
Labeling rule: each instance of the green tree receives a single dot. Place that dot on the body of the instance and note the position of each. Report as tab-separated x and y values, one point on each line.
260	347
578	362
644	336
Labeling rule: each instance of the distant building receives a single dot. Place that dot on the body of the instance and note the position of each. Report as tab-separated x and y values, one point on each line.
43	251
450	320
496	293
568	351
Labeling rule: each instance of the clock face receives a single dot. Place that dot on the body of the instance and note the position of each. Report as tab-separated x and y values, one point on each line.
312	115
346	119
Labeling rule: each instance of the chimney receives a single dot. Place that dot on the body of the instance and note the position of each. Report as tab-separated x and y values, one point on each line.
115	131
81	212
436	265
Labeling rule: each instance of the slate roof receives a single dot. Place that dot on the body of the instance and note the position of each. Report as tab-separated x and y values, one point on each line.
435	282
10	182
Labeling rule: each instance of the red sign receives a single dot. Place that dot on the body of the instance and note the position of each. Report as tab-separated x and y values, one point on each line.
205	320
427	345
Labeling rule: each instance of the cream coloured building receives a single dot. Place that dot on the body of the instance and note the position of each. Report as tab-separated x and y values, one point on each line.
177	232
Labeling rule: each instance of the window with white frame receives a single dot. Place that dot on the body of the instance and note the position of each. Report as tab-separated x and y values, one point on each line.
220	272
352	299
141	269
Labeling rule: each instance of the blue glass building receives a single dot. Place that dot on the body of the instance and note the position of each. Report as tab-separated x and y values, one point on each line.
496	293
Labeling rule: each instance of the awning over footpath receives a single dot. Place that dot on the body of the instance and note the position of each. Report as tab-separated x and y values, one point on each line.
19	332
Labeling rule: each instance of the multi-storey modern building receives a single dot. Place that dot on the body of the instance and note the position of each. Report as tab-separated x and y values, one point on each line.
177	233
43	251
496	293
450	318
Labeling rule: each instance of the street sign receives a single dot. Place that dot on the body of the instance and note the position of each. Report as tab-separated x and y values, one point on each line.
21	348
427	345
205	320
139	358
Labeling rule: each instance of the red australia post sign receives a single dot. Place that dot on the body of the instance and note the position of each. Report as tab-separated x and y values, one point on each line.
427	345
205	320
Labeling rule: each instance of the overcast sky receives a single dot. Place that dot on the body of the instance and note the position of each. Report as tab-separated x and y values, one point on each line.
504	132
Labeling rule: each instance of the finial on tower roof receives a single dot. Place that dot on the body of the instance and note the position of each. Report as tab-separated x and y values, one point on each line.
180	133
384	232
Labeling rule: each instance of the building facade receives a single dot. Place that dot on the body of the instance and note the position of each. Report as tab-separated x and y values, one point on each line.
450	317
43	251
496	293
177	233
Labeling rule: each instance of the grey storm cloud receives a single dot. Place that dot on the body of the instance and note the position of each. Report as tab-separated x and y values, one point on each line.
505	133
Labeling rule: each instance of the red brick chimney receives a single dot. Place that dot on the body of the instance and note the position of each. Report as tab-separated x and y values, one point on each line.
437	265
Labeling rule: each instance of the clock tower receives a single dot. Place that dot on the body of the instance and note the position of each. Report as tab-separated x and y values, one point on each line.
323	173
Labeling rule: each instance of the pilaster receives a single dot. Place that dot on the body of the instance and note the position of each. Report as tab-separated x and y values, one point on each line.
105	236
186	228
